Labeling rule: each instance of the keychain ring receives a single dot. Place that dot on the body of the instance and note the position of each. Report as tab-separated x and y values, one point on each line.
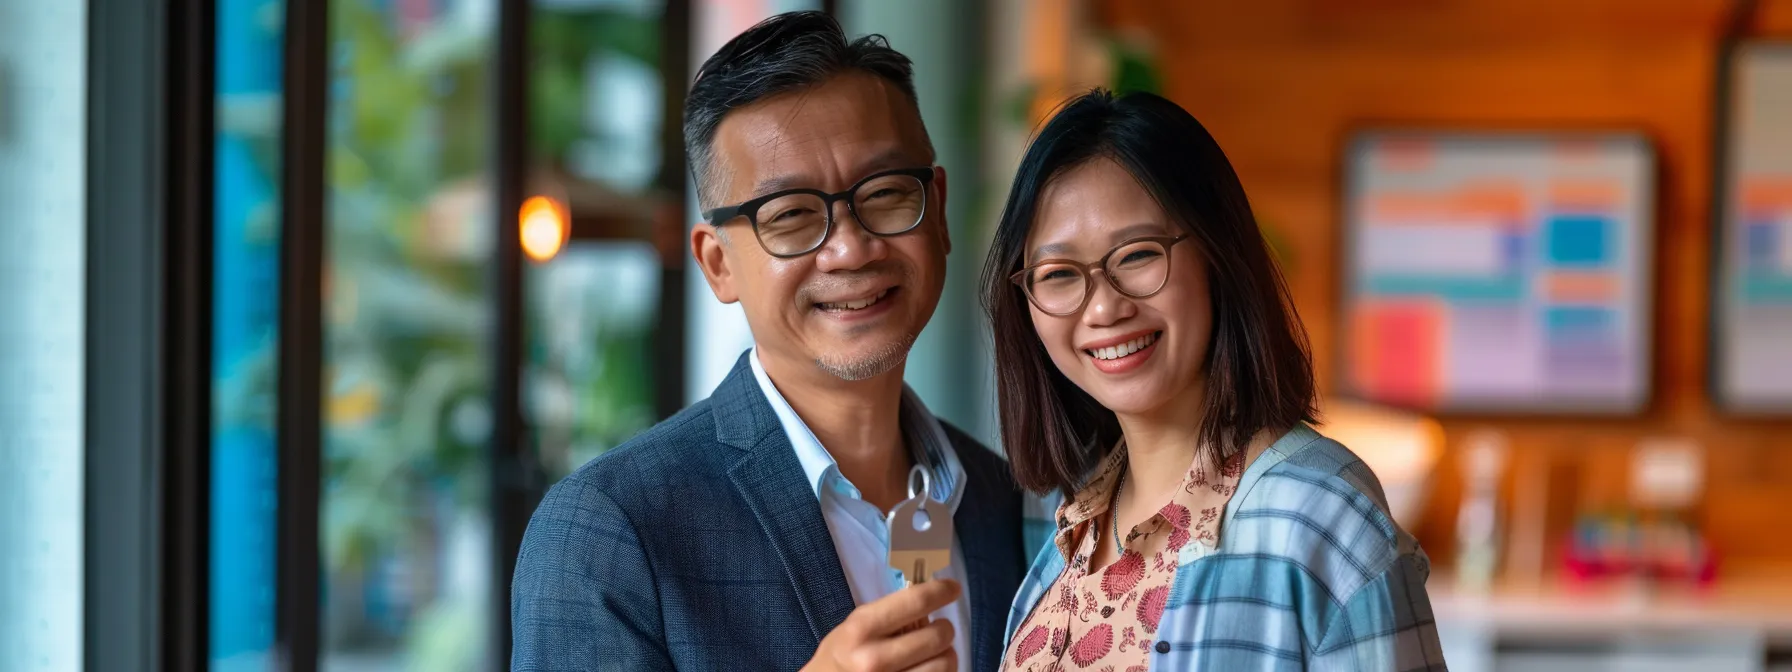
926	482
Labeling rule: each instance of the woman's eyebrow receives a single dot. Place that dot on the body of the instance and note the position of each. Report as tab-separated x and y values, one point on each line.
1116	237
1044	250
1134	231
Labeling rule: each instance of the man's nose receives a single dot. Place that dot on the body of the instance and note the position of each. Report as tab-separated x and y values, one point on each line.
848	245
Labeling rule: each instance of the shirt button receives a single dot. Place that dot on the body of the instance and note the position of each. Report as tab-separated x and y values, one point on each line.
1163	647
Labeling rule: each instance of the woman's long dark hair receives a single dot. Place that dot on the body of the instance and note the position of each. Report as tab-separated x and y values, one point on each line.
1259	372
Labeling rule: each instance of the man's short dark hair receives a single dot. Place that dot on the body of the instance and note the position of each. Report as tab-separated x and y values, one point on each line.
784	53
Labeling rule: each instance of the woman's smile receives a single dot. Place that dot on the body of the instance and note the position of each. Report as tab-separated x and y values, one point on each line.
1123	354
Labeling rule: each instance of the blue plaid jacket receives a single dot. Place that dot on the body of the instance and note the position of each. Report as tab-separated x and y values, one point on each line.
700	545
1311	573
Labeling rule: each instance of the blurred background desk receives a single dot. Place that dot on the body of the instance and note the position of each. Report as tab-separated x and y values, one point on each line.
1741	623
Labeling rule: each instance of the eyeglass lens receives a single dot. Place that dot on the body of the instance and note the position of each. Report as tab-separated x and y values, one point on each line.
1139	268
797	223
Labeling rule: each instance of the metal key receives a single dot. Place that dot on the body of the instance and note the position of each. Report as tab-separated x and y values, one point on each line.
920	531
920	535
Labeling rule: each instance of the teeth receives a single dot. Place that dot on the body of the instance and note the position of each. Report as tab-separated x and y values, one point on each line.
1123	349
860	304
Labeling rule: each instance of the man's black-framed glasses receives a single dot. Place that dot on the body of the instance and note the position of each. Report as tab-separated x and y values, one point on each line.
794	222
1138	268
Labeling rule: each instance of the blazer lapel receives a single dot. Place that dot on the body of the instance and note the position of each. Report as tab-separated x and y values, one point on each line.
771	482
988	526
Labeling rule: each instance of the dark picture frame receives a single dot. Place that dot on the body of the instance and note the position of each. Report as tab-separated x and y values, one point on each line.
1640	274
1729	329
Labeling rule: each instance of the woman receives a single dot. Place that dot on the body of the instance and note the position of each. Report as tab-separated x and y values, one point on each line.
1151	368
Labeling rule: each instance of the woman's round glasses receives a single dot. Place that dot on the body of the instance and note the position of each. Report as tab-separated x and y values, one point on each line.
794	222
1138	268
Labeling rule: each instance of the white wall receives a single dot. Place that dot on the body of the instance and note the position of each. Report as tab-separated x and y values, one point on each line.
43	63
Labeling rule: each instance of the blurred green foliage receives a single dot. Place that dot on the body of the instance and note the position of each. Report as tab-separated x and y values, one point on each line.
408	307
561	41
407	310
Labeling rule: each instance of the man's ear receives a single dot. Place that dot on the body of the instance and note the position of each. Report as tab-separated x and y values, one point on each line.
706	248
939	187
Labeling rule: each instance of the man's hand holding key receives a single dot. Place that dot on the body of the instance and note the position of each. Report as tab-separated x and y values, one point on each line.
893	634
879	637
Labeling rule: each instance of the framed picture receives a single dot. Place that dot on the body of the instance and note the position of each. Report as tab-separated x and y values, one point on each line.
1498	272
1751	335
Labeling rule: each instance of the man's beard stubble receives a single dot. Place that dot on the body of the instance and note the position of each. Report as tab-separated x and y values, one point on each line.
870	366
882	360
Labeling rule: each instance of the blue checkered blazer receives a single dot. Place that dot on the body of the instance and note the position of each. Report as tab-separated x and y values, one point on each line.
698	545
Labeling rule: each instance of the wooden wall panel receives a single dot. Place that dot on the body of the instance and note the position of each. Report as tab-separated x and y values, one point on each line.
1280	82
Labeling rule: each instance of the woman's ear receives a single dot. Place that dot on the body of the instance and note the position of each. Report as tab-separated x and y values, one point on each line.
707	245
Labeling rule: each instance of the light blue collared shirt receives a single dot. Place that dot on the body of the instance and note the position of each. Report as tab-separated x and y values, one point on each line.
861	536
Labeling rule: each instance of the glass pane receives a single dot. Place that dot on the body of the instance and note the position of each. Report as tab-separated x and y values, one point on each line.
246	275
593	306
593	314
407	306
43	145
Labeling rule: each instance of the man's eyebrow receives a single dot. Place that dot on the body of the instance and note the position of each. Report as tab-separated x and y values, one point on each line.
889	159
777	183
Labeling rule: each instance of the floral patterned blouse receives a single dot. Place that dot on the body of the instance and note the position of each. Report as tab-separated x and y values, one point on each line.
1106	621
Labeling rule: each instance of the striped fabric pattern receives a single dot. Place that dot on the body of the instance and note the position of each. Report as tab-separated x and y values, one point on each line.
1311	573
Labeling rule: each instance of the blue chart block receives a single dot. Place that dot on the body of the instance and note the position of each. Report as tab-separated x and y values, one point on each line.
1578	323
1495	289
1578	241
1767	289
1761	246
1513	246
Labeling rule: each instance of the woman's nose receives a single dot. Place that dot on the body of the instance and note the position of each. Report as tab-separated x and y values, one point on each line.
1106	304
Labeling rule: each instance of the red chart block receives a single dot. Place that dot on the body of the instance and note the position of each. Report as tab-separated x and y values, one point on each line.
1398	352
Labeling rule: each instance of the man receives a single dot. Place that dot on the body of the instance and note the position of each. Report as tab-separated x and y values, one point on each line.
747	532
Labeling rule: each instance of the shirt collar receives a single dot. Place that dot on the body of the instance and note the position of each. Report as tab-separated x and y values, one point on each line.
924	433
1096	495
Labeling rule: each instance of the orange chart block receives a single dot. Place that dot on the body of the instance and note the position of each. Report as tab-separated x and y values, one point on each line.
1600	288
1766	194
1585	196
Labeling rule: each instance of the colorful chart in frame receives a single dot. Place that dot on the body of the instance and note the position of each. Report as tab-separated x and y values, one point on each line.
1752	370
1499	273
